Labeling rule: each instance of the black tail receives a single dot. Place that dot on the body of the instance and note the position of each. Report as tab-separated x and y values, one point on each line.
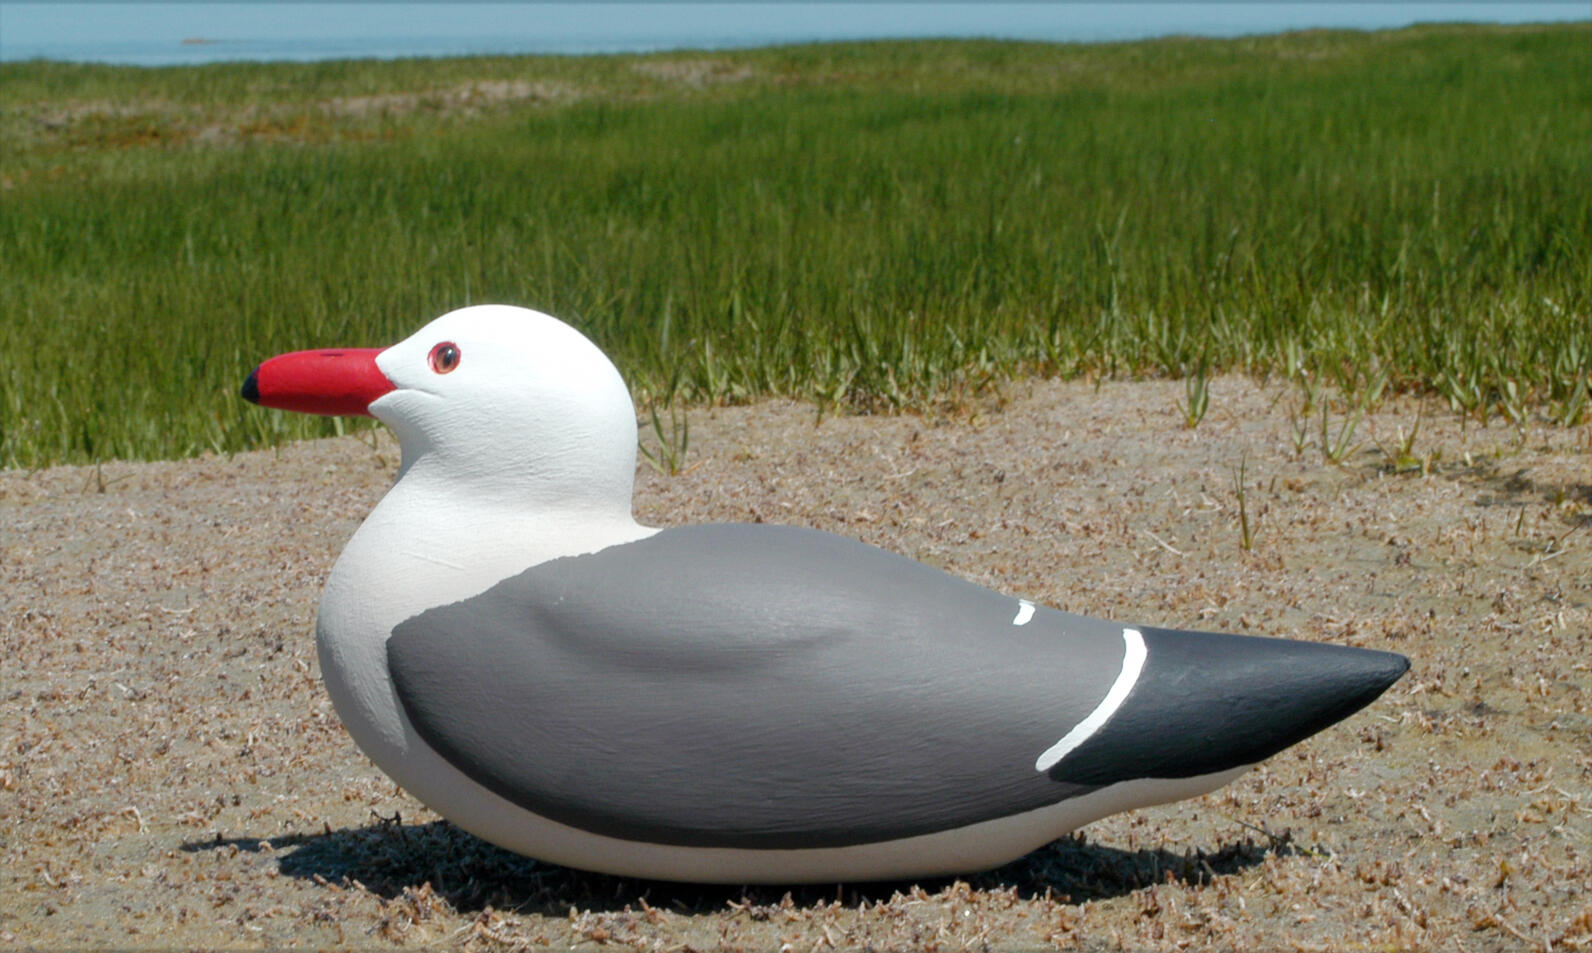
1206	703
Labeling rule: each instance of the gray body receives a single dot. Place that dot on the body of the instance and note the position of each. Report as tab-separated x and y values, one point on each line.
769	687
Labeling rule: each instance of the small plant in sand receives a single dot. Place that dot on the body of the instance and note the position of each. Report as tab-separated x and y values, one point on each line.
1360	392
673	440
1299	431
1464	394
1300	410
1197	388
1400	456
1337	447
1246	525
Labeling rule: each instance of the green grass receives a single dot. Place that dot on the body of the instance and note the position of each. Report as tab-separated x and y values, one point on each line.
872	226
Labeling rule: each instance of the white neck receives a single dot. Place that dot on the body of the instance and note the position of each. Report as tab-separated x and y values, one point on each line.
434	539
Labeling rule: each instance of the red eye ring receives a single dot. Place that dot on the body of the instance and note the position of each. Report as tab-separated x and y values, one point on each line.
444	357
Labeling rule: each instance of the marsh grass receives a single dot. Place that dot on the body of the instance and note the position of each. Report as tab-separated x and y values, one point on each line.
872	227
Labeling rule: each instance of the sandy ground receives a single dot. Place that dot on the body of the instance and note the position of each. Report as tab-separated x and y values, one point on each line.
172	774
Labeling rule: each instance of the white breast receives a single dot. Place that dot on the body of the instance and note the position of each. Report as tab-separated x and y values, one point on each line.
414	553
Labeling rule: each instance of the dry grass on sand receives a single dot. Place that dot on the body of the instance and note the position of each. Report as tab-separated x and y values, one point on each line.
172	774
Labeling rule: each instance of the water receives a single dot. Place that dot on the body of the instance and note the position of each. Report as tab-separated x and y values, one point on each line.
152	34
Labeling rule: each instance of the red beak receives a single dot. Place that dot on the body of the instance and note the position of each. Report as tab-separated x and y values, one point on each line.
338	383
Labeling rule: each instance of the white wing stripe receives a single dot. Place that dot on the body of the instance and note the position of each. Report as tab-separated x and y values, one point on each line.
1025	611
1133	656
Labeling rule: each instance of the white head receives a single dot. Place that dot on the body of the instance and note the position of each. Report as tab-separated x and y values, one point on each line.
502	403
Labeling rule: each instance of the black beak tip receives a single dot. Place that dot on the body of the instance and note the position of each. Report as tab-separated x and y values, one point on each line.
251	387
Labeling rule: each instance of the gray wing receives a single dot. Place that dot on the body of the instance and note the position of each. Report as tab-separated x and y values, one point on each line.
752	686
771	687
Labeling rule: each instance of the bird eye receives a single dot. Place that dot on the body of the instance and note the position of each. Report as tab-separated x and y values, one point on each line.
445	357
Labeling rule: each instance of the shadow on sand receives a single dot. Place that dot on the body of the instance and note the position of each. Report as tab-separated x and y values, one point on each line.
389	857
